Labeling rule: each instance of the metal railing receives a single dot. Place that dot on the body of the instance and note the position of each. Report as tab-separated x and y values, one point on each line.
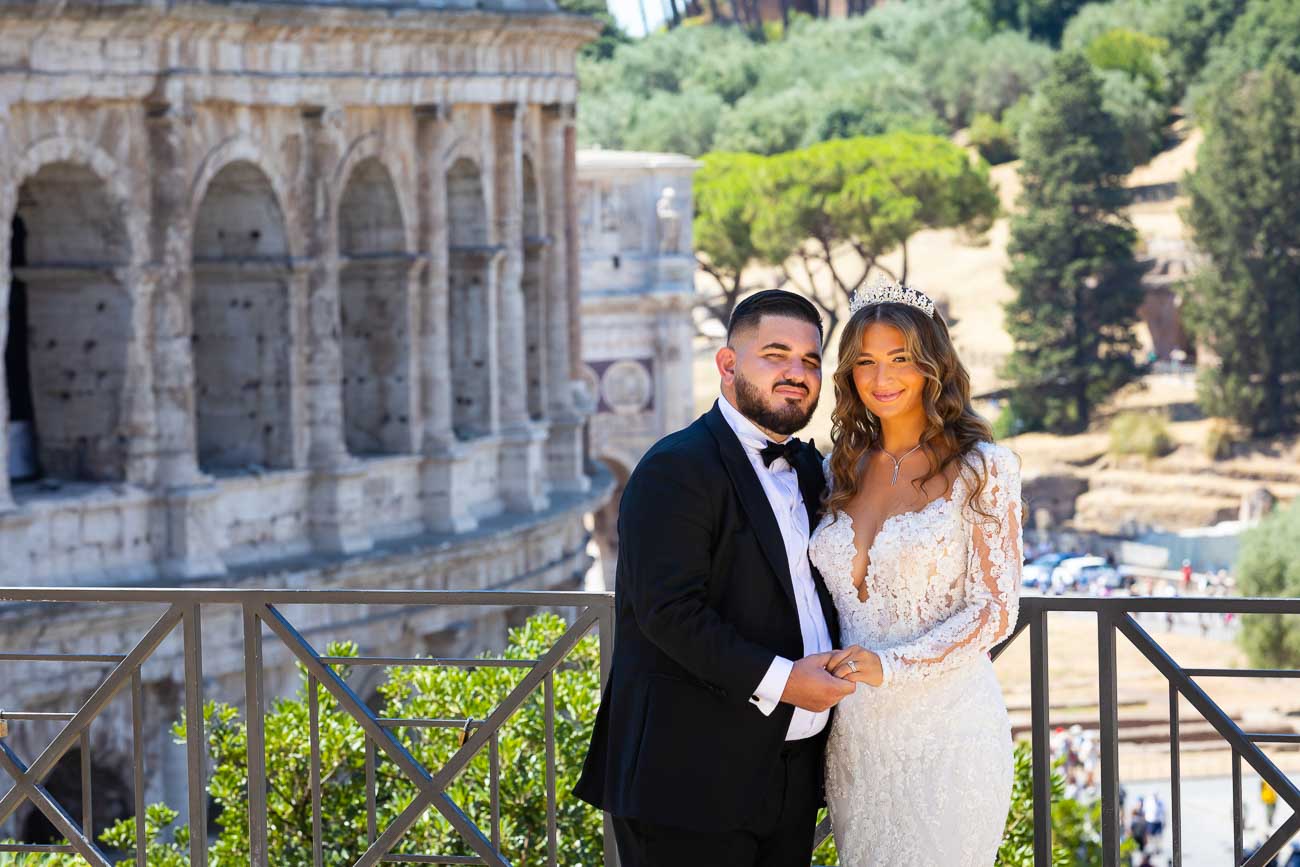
264	610
1115	617
183	611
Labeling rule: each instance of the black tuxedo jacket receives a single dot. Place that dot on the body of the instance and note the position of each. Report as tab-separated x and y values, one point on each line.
703	599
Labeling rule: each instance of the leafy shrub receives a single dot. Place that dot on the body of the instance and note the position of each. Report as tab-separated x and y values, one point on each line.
1141	119
993	139
1136	54
1219	440
1269	565
1139	433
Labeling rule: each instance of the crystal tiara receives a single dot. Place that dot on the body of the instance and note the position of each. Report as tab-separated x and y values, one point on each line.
885	291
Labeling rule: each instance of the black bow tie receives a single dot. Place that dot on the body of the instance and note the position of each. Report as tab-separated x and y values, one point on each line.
787	450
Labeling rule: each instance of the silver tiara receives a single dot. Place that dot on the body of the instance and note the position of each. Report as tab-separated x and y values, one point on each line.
885	291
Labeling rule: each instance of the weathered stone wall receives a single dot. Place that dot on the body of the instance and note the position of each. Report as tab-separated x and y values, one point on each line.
287	299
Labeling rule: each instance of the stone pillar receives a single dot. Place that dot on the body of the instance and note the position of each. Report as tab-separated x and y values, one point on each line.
565	446
523	470
337	514
189	542
7	205
444	471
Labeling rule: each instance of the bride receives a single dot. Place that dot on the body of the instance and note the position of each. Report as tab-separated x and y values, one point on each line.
920	548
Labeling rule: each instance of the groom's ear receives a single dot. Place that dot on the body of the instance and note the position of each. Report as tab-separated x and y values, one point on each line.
726	362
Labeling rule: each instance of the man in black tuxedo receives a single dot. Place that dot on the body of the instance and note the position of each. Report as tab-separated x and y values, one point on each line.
709	741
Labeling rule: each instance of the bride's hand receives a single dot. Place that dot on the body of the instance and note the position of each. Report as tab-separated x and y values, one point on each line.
857	665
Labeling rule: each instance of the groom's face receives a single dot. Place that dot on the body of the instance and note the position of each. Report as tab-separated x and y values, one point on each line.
772	373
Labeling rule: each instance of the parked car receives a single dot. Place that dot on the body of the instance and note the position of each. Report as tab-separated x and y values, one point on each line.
1102	580
1067	573
1037	573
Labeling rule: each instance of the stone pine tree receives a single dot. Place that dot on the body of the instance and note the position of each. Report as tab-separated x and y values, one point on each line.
1077	284
1244	304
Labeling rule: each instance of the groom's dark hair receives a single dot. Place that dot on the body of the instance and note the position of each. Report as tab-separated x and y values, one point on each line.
772	302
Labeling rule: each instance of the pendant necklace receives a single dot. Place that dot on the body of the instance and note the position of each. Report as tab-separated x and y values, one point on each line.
898	462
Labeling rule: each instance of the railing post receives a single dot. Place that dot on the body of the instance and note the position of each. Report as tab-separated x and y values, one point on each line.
1108	704
606	633
1175	777
256	704
196	741
1041	753
1238	847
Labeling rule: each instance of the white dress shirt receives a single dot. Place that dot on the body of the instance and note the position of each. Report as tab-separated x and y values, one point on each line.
781	484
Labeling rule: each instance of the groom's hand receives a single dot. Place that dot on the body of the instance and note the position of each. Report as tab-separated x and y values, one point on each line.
812	687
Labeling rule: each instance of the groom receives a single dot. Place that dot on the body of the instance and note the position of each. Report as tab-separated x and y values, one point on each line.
708	745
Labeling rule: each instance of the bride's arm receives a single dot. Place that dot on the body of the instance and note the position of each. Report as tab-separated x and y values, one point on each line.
992	583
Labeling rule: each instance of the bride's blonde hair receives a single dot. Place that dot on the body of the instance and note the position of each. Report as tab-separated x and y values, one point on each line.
953	429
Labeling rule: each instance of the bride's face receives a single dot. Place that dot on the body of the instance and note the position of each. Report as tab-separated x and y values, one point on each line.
885	375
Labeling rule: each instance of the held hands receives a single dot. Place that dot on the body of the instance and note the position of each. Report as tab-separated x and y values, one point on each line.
812	687
856	664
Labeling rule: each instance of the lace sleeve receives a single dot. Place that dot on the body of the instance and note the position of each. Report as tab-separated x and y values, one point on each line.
992	584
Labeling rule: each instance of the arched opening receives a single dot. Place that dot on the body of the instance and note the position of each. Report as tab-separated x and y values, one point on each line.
469	302
111	800
533	284
375	314
69	325
605	521
242	338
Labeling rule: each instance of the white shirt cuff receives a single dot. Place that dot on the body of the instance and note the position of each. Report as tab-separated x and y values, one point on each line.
770	689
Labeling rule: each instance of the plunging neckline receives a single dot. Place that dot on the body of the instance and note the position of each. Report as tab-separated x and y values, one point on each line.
870	551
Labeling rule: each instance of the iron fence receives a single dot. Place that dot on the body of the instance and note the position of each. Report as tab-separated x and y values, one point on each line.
263	610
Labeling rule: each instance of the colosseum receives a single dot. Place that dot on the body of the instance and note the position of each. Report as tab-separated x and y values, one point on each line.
289	298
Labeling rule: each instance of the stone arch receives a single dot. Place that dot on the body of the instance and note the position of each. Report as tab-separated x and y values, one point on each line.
367	148
242	150
533	286
242	335
375	313
605	519
470	307
69	311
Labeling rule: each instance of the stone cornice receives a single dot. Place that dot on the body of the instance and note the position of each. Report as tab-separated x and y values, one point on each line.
283	54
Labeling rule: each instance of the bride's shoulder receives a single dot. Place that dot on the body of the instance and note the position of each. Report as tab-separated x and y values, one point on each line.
994	458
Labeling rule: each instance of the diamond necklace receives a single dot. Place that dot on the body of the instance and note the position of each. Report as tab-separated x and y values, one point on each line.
898	462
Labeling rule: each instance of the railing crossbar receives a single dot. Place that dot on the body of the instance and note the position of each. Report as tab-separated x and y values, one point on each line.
61	657
1242	672
427	662
35	716
1212	713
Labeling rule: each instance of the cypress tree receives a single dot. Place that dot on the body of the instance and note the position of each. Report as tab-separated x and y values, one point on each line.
1077	283
1244	304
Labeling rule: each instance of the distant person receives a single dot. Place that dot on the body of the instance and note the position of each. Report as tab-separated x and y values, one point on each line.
1294	860
1268	798
1137	825
1154	811
1187	575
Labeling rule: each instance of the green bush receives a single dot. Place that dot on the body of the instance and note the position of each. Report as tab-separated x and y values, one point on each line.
993	139
1219	440
1139	56
1140	433
1269	565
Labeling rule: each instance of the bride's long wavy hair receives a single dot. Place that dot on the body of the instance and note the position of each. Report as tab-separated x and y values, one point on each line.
953	428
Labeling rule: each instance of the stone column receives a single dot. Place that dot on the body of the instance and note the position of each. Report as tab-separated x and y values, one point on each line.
565	446
444	473
7	205
190	542
523	471
337	514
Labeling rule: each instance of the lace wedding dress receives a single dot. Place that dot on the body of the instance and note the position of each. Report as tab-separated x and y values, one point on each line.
919	769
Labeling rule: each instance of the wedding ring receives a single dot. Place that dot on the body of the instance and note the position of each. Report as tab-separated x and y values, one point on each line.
853	666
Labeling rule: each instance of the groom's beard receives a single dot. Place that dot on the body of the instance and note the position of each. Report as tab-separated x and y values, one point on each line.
784	420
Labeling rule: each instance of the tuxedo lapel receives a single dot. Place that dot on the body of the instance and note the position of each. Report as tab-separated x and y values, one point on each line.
752	498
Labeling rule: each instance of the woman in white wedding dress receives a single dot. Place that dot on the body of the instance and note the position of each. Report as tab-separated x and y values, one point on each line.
921	550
